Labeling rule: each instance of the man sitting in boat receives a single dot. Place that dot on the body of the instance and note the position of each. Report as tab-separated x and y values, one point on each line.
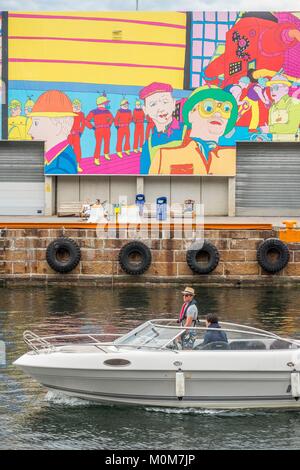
188	317
213	335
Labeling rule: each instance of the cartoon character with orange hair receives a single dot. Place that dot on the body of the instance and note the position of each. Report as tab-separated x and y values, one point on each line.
52	120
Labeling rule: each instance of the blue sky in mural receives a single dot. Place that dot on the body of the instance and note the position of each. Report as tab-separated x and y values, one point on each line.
271	5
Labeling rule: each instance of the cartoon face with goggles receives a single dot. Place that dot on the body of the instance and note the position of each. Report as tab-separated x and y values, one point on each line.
209	118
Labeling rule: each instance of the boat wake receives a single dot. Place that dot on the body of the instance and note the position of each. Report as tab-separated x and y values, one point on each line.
206	411
59	398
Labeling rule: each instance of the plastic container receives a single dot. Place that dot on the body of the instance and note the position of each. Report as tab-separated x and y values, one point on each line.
140	202
161	208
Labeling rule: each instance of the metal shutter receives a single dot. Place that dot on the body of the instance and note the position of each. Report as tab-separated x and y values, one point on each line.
268	179
21	178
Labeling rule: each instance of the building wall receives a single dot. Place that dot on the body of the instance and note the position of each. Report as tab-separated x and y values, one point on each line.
213	193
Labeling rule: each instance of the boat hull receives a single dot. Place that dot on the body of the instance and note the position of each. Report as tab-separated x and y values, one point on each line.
203	389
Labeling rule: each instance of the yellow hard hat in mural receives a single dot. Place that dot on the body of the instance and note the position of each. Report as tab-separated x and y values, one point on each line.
15	104
123	102
102	100
29	103
76	102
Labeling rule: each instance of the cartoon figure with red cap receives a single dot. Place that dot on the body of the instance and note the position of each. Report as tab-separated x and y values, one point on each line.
138	119
100	120
257	41
122	121
76	131
52	120
159	105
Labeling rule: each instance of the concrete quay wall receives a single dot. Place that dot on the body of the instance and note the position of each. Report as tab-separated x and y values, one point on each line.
23	259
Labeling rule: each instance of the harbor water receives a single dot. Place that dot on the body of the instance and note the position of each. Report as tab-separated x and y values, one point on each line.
32	418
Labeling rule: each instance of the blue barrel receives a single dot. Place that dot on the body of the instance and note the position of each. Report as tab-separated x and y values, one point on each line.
161	208
140	201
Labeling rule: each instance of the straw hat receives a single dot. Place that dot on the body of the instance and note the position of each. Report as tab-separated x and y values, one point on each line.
188	290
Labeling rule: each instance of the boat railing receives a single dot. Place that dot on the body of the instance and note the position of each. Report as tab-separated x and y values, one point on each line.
50	343
231	328
223	324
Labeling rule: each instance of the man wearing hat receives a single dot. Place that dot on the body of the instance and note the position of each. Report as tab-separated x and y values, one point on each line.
138	119
76	131
52	120
188	317
100	120
284	114
159	106
208	114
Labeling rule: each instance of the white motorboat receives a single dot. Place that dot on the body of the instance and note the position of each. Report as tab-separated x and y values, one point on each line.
254	369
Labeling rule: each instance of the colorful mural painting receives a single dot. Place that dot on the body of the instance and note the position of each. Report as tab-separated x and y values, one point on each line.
152	93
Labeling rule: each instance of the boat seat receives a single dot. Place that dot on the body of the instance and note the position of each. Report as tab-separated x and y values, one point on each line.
242	345
238	345
280	344
214	345
256	345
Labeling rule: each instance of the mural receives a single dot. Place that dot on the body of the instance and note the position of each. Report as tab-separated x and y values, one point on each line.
129	93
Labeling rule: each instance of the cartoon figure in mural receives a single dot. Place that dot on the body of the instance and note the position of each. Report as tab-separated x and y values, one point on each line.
149	128
52	120
122	121
159	105
139	119
253	102
28	106
284	114
100	120
18	126
257	41
209	113
76	132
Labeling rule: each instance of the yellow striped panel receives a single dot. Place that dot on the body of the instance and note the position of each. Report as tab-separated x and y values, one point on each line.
108	52
96	30
97	52
93	74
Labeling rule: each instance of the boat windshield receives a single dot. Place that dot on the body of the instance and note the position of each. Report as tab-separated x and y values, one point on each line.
149	335
164	334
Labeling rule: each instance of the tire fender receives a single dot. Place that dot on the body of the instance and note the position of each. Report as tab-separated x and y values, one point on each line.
135	268
273	244
213	261
63	255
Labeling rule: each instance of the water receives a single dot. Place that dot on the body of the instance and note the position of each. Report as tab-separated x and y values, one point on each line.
32	418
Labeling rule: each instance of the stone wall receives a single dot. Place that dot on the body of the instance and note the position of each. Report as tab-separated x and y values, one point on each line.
23	259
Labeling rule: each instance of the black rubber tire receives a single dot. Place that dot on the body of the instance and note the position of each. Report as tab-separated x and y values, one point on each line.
213	261
66	246
263	251
129	249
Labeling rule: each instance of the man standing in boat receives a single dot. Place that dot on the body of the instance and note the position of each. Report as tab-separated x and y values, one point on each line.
188	317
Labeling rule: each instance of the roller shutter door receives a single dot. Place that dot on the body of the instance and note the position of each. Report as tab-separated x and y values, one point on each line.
21	178
268	179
